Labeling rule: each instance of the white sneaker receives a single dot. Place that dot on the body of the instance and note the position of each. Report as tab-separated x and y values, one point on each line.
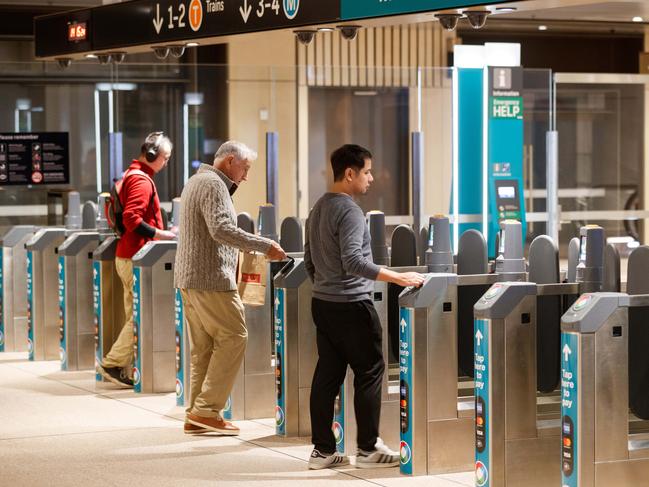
381	457
319	460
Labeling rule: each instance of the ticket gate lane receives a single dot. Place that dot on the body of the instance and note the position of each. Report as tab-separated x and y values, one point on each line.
403	258
597	449
108	299
295	352
153	318
13	289
345	428
436	430
42	294
76	301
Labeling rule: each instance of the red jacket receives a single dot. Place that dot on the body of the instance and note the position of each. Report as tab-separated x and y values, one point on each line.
139	206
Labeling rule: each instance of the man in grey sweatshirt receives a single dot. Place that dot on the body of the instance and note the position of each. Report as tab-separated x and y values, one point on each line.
338	259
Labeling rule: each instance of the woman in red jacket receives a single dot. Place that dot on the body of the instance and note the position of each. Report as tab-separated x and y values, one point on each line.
142	221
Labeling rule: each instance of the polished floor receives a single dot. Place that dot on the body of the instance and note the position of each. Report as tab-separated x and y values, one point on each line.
58	429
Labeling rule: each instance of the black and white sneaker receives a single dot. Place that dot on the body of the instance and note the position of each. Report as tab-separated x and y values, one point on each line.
320	460
116	375
381	457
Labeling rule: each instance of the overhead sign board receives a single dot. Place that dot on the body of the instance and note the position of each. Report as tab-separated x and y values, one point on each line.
361	9
64	33
145	22
34	158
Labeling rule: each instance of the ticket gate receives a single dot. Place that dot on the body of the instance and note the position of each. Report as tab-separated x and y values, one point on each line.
403	258
605	384
153	318
253	392
13	289
76	323
517	360
295	349
43	341
107	299
436	388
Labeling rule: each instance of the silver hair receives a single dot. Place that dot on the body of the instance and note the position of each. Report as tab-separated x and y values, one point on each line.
239	150
159	140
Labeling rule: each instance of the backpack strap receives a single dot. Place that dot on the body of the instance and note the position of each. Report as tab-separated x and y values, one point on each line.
137	172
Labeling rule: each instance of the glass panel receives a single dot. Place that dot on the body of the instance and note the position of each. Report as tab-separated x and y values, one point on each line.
601	144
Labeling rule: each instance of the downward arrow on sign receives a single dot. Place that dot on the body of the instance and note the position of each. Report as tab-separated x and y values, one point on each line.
245	11
479	337
157	22
566	352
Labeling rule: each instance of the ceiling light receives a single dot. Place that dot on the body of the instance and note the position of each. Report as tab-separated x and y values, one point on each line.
638	19
543	27
192	44
326	29
506	9
91	56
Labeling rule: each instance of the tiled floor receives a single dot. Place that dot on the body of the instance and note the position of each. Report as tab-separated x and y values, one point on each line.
57	428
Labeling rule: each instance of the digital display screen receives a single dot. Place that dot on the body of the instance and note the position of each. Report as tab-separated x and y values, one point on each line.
506	192
77	31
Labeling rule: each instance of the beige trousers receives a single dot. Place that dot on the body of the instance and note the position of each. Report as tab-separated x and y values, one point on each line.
217	343
121	353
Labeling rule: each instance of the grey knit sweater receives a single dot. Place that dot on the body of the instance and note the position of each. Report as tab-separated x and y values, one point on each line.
208	238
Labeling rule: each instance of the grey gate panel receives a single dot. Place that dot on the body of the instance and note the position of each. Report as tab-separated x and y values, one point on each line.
404	247
404	254
611	280
638	283
544	269
245	222
571	276
423	243
291	238
471	259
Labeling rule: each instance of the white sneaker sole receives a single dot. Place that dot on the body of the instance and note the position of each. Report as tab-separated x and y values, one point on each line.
213	429
376	465
315	466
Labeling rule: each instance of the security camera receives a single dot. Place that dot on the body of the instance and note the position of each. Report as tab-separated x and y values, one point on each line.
104	58
448	21
161	52
305	36
176	50
349	32
118	57
477	18
64	62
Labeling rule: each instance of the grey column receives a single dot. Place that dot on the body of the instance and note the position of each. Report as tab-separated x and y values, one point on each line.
552	184
272	167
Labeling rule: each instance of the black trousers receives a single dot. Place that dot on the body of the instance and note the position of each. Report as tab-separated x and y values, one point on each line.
347	334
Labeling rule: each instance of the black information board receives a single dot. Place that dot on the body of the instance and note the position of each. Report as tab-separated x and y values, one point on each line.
34	158
144	22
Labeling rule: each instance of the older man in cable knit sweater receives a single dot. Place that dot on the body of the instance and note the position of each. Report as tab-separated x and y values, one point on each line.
205	272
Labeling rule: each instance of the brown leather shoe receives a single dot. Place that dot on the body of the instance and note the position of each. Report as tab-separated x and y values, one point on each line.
191	429
217	425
